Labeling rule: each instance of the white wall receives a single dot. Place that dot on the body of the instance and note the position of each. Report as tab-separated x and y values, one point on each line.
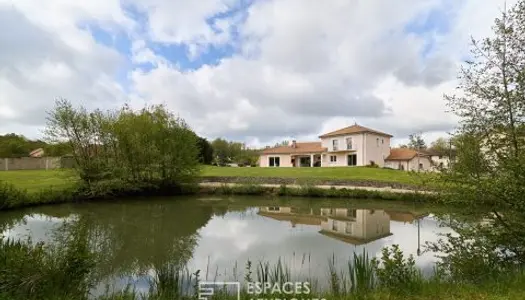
367	224
444	159
285	160
394	164
366	148
410	165
413	164
377	149
341	160
357	144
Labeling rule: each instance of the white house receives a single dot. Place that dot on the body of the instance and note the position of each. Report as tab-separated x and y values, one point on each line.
350	146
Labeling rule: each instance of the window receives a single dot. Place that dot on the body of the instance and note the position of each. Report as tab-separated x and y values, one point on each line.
274	208
382	141
274	161
377	142
335	144
421	166
348	228
333	158
334	226
349	143
352	160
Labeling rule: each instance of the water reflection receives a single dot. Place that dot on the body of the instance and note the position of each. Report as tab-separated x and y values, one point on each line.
353	226
218	237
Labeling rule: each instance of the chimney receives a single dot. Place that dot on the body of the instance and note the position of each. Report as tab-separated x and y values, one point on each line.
294	144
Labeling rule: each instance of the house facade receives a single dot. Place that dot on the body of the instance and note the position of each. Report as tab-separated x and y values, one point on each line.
350	146
352	226
409	160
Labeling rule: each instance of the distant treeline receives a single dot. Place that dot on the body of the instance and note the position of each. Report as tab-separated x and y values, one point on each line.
219	151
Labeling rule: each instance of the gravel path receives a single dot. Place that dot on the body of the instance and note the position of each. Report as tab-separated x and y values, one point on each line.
367	188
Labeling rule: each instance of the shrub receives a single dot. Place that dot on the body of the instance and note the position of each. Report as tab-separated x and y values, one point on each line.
395	271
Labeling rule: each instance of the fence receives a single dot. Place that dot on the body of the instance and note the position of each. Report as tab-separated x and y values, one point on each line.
35	163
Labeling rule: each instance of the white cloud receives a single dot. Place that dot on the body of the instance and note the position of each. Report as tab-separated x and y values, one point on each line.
303	67
41	63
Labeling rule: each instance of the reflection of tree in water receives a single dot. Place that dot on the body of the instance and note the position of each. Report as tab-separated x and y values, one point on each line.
133	236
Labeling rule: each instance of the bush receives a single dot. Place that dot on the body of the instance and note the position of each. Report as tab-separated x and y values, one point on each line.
46	272
124	149
394	271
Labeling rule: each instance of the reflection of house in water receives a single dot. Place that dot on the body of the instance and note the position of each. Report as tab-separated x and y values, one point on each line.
405	217
354	226
292	214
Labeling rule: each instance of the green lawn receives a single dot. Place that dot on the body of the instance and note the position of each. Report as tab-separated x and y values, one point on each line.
355	173
34	180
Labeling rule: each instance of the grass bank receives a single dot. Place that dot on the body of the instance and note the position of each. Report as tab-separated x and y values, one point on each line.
37	180
313	192
11	197
34	187
333	173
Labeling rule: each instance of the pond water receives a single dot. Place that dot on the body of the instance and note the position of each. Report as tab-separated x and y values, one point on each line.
219	235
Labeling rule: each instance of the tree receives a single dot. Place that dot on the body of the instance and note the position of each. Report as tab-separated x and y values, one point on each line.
282	143
490	141
440	145
13	145
416	142
221	150
149	146
205	151
57	149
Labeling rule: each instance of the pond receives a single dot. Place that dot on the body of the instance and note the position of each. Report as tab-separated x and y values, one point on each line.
218	236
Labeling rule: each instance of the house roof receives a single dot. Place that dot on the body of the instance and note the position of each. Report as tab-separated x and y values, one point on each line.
404	154
300	147
431	152
295	218
354	129
406	217
352	239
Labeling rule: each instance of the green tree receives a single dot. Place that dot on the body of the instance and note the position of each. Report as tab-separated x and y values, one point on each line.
131	147
490	142
13	145
416	141
221	150
441	145
205	151
57	149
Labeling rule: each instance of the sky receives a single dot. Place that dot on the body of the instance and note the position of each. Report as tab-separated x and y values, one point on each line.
257	71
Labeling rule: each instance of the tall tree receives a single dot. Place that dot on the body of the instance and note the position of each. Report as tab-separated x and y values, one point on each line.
13	145
221	150
441	145
416	141
205	151
490	169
